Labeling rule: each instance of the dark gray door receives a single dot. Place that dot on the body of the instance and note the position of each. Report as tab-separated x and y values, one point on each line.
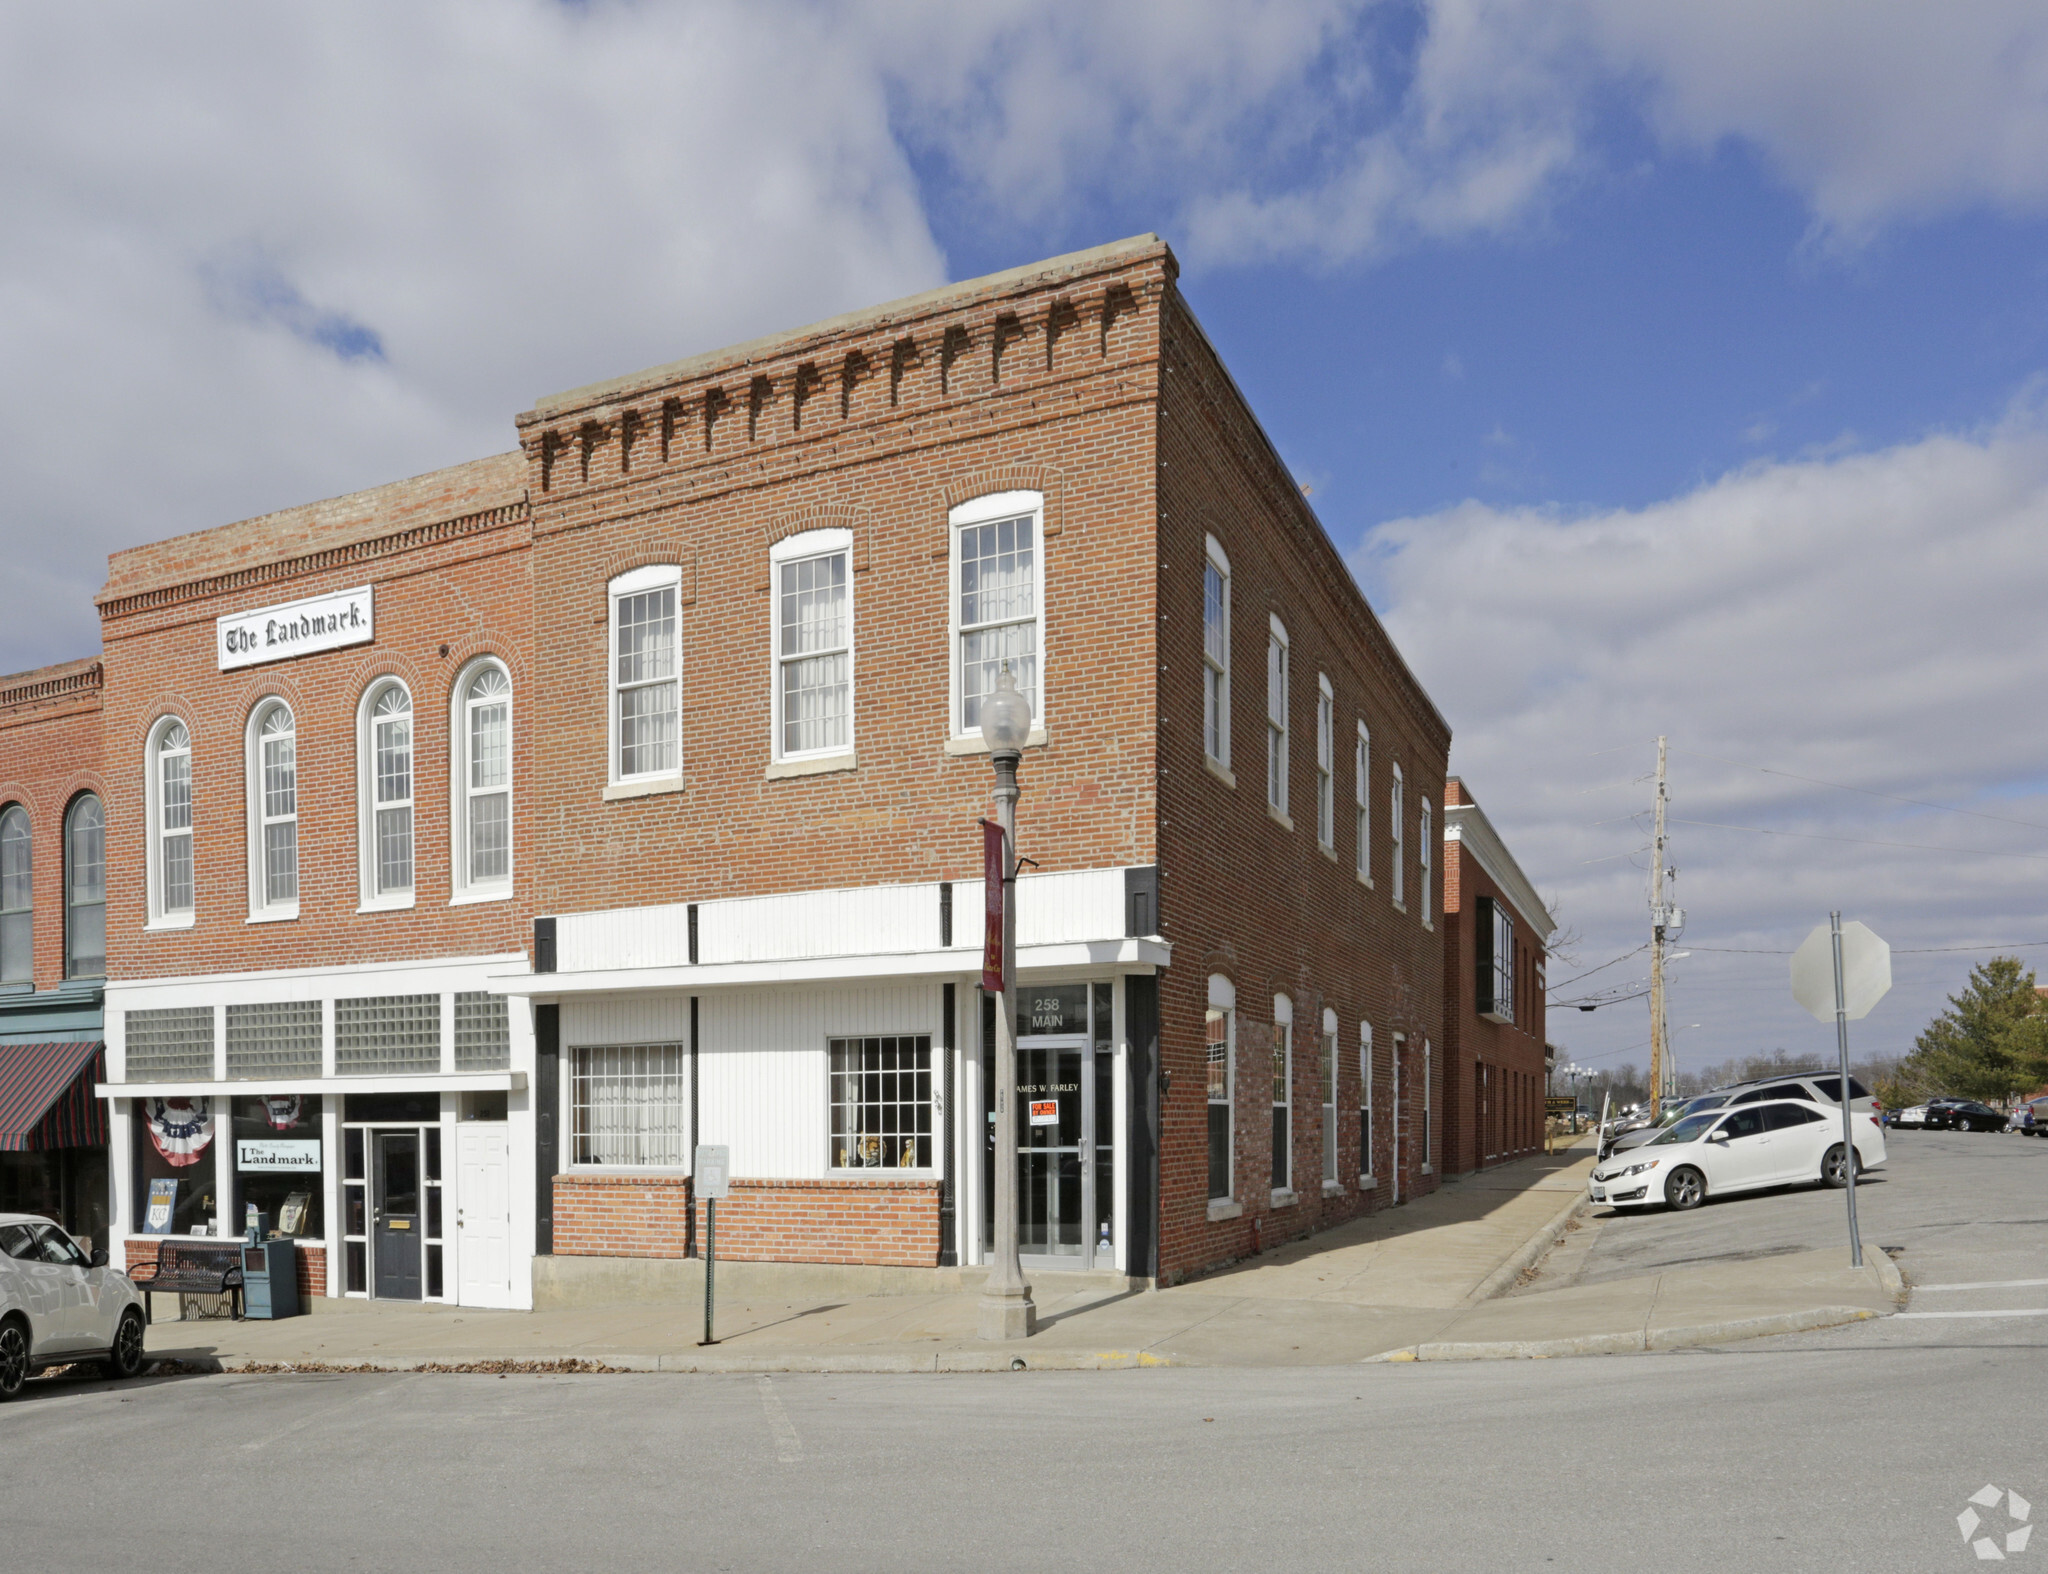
397	1216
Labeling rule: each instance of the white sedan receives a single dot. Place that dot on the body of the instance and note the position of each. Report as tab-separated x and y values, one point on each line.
1787	1142
58	1306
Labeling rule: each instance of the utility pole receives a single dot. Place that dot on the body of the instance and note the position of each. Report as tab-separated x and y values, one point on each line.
1660	1046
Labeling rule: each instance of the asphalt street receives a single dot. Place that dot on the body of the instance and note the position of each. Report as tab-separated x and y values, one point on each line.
1842	1451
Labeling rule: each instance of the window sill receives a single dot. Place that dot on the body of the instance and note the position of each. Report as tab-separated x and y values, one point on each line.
1328	850
273	915
1219	770
818	766
1366	881
617	790
175	921
1221	1208
1368	1183
1399	906
974	745
879	1174
1285	1197
386	904
1333	1188
1278	818
468	898
1429	1169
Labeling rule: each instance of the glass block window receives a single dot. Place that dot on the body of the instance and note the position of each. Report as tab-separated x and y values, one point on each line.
996	612
483	1032
384	1034
628	1106
175	1042
882	1102
281	1040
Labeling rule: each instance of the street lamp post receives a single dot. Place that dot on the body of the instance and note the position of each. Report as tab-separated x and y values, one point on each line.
1006	1309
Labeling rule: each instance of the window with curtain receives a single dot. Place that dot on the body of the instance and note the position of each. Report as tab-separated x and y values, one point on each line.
814	655
275	811
484	803
17	897
1326	763
85	889
996	606
173	850
390	784
1216	655
646	671
1425	863
1330	1170
1361	814
1276	719
1283	1102
628	1106
1396	814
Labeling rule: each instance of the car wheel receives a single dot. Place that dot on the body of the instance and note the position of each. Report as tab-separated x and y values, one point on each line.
1833	1171
1686	1189
124	1360
13	1356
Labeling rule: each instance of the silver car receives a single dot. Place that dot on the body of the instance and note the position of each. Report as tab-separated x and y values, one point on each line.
59	1306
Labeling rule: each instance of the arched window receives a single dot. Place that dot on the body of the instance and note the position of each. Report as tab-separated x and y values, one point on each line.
17	898
273	812
386	749
482	810
85	889
170	810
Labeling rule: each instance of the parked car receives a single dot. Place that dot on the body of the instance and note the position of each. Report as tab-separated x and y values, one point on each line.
1965	1115
1673	1114
1821	1087
1923	1117
59	1306
1740	1148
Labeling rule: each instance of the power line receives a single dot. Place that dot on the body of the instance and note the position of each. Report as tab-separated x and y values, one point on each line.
1566	983
1815	781
1862	841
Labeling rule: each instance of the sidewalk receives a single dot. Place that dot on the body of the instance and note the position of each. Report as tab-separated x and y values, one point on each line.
1418	1282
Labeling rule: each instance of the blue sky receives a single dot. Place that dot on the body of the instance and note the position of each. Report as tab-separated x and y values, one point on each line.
1661	368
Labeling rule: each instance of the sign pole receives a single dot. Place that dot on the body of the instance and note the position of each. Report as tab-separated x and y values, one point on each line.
711	1176
710	1263
1848	1130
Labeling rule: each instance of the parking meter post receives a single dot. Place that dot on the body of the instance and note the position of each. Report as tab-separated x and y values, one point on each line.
1848	1103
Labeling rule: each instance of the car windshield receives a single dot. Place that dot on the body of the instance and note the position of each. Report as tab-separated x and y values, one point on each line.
1690	1129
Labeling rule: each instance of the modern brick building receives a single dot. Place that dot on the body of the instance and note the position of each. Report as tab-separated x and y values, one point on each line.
1496	929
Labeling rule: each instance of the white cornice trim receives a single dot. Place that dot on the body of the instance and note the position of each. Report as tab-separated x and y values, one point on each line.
1467	825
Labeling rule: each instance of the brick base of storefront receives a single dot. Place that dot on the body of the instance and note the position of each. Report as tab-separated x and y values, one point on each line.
886	1223
312	1265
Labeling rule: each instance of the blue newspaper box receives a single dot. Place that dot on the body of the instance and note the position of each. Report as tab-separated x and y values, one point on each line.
270	1278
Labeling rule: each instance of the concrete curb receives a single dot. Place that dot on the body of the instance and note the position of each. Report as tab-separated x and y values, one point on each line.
1503	1278
1889	1279
708	1361
1634	1341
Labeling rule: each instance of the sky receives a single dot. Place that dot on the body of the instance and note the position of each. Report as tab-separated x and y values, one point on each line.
1661	368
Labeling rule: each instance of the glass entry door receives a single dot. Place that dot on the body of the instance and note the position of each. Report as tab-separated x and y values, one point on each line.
1052	1092
396	1222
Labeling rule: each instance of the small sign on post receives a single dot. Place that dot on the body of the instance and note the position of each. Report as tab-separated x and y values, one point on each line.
711	1178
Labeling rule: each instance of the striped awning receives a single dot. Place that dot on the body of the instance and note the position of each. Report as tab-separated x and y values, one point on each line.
46	1098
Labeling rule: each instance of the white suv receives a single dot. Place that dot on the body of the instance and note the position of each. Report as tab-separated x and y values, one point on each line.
58	1306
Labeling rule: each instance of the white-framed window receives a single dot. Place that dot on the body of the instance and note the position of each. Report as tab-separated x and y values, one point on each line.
1221	1047
645	674
480	730
384	746
1276	718
629	1106
1326	762
1361	795
273	776
1216	654
1330	1164
1283	1093
1397	812
1497	997
85	888
17	897
813	636
881	1098
1365	1169
1428	1155
1425	863
998	602
169	797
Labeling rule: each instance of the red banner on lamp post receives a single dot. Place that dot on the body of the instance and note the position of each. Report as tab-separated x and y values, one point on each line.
992	882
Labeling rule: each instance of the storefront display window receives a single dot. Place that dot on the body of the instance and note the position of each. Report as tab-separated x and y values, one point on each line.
174	1161
280	1165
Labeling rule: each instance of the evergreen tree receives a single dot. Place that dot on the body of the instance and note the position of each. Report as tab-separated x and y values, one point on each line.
1992	1042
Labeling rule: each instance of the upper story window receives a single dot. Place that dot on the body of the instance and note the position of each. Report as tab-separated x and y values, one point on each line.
1276	718
998	603
170	819
646	674
1361	788
1283	1093
1495	955
1397	813
387	794
1221	1052
273	812
813	700
85	889
1326	762
17	897
1425	863
483	780
1216	654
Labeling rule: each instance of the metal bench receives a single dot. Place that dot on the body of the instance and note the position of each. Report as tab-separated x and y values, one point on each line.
191	1269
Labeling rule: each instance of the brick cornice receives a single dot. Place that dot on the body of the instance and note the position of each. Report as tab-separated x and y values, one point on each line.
37	690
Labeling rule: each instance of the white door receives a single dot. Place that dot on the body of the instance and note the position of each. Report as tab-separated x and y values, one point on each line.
483	1214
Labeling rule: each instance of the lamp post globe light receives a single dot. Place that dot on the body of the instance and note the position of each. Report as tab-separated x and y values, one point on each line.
1006	1310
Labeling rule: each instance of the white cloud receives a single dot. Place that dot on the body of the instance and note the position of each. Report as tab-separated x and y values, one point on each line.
1870	619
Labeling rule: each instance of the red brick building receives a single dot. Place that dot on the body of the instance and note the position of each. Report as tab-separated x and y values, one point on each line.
1495	933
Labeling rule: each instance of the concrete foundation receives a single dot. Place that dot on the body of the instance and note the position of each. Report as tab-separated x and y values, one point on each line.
561	1283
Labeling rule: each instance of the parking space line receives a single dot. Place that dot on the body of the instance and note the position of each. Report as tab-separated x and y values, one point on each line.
1987	1284
2026	1311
